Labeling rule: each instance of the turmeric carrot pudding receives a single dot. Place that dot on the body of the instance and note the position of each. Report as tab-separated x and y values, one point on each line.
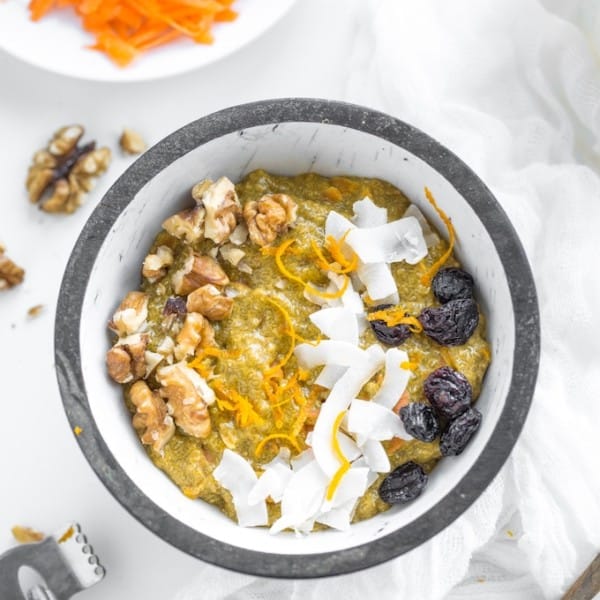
302	350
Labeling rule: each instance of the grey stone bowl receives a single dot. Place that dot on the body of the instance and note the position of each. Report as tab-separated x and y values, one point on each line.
291	136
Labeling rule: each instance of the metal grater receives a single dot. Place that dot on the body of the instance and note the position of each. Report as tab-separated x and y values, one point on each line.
65	560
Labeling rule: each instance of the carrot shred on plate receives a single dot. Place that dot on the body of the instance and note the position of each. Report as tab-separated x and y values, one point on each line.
126	28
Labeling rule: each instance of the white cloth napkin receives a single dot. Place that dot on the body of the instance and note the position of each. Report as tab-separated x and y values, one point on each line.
513	87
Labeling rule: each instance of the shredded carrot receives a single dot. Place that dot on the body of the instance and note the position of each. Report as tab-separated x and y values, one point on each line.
402	401
428	275
344	462
276	436
126	28
395	444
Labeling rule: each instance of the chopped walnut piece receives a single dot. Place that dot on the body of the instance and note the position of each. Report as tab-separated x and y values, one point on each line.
26	535
156	265
197	271
187	225
188	396
131	315
268	217
126	360
152	360
232	254
222	206
132	142
210	302
10	273
62	173
151	420
190	336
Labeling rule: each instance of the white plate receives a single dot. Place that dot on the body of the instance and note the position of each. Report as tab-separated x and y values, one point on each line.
58	42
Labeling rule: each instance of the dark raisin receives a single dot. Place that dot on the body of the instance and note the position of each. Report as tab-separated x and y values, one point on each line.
448	391
459	432
420	421
452	283
451	324
390	336
403	484
176	305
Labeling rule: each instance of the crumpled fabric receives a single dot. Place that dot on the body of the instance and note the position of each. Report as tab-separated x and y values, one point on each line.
513	88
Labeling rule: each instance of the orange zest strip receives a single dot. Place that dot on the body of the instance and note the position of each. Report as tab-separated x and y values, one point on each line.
125	28
345	463
279	262
335	249
408	365
276	436
428	275
233	401
396	316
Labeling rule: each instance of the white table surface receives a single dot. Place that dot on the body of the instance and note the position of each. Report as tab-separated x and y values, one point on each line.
46	482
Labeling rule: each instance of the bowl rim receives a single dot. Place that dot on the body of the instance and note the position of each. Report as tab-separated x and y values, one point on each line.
272	112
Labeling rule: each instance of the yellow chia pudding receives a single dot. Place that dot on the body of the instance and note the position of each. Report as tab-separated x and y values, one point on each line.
302	350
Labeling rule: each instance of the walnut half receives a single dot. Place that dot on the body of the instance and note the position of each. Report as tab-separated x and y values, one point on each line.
151	420
188	397
268	217
196	331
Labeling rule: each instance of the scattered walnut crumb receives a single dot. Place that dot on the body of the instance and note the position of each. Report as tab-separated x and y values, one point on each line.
132	142
35	311
26	535
10	273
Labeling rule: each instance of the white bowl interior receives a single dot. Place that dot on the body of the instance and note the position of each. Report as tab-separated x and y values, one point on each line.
289	148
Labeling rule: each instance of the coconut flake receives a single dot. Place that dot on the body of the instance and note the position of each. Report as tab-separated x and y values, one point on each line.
379	281
329	352
393	242
337	323
239	235
395	379
368	214
337	225
431	238
302	499
329	375
338	518
237	476
371	421
346	388
376	456
274	480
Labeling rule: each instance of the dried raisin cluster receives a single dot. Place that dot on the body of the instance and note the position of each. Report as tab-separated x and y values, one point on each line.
452	323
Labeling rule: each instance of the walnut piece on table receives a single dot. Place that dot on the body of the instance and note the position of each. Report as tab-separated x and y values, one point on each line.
62	173
268	217
154	425
10	274
132	142
188	397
